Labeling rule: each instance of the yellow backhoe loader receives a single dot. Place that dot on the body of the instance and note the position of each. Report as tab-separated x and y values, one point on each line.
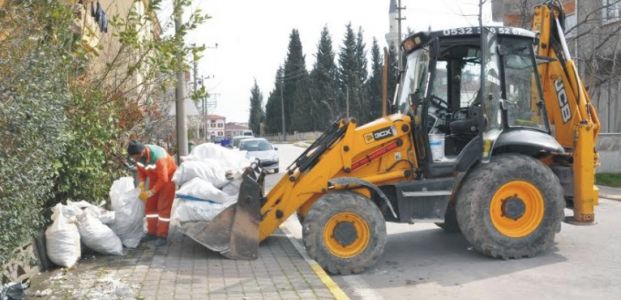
492	134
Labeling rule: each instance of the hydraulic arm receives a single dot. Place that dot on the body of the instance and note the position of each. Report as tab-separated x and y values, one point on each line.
568	106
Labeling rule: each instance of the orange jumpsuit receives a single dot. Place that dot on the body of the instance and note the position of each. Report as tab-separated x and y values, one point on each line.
158	166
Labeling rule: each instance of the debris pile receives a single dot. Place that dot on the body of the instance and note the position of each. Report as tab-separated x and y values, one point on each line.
209	180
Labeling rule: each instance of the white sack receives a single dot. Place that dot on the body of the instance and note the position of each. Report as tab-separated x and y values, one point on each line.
129	216
97	236
191	210
200	189
232	187
119	188
229	159
209	170
105	216
62	239
71	211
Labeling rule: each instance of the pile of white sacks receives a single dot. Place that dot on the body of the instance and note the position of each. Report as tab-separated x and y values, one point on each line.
208	181
103	231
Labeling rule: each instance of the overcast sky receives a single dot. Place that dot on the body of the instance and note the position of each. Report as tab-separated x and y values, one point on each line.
252	37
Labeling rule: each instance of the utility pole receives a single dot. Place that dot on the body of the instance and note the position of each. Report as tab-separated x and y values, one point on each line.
182	130
399	19
282	78
195	69
282	107
204	111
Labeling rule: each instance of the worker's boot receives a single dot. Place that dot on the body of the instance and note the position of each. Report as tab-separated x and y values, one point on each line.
160	242
148	238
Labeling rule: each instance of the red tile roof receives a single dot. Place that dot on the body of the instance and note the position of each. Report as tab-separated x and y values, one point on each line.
215	117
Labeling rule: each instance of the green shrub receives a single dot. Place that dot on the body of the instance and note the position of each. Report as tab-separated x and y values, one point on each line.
34	67
86	168
609	179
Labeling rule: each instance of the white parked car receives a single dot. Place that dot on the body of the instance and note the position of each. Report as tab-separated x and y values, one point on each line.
263	151
236	139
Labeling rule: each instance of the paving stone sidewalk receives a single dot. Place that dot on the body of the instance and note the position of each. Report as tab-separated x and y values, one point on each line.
186	270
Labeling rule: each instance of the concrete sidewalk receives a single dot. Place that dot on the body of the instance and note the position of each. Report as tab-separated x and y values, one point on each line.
186	270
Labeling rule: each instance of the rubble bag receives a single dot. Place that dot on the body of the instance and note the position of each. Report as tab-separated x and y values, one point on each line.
219	159
77	208
119	188
128	212
229	158
200	189
209	170
97	236
62	239
186	210
128	221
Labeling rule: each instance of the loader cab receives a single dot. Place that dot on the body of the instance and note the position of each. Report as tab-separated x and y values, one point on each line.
458	114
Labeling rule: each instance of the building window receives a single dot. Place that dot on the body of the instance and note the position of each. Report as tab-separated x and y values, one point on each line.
220	125
220	133
611	10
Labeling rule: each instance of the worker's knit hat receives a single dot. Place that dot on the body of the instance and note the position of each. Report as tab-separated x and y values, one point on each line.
134	148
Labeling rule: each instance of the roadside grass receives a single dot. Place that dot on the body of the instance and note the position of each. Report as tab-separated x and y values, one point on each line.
608	179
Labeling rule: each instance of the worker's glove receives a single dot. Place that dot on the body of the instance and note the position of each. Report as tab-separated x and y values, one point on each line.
144	195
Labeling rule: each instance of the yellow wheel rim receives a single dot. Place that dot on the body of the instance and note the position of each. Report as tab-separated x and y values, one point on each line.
517	208
346	234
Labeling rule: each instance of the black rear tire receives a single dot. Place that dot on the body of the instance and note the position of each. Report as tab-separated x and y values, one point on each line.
476	194
330	206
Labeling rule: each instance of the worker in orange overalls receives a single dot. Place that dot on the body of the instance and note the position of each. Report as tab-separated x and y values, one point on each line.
155	164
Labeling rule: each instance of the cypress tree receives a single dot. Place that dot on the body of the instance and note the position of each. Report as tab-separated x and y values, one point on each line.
324	83
295	73
361	99
393	73
257	115
347	67
273	119
374	84
353	73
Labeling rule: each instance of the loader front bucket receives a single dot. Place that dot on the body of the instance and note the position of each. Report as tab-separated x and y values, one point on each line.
235	231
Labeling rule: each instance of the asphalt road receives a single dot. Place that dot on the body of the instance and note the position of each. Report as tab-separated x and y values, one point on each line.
422	261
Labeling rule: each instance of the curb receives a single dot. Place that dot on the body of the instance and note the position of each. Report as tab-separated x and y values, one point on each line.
609	192
301	145
610	197
334	288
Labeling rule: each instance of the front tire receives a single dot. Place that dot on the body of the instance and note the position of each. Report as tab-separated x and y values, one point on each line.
510	207
344	232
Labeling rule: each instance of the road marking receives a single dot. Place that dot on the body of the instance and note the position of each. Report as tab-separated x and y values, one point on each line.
334	288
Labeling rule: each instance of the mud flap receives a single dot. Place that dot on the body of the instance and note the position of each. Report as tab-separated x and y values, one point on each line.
235	231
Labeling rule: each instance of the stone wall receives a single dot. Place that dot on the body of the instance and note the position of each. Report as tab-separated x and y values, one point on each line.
609	147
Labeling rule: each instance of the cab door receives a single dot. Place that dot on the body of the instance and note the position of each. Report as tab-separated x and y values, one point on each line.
491	90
